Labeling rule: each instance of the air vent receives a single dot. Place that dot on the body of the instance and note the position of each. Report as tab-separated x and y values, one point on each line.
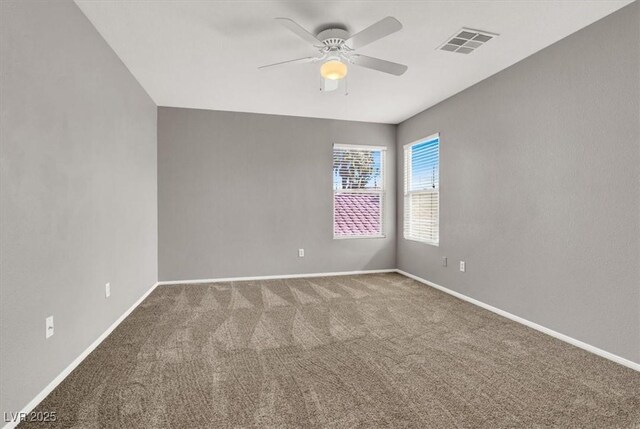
466	41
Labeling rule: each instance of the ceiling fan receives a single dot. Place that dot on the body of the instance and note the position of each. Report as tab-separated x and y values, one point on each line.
337	48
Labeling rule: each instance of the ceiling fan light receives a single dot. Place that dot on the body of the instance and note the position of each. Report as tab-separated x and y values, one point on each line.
334	70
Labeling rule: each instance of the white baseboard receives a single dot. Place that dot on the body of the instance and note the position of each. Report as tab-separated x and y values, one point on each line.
588	347
56	381
43	394
282	276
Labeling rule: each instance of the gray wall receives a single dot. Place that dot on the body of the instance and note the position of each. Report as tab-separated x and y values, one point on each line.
540	187
78	187
239	193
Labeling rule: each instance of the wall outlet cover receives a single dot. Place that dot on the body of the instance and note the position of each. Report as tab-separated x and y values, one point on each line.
463	266
49	331
301	253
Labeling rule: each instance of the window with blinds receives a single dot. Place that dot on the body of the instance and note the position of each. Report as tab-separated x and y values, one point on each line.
358	191
422	190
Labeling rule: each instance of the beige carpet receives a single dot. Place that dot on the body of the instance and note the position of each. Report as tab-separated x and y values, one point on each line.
363	351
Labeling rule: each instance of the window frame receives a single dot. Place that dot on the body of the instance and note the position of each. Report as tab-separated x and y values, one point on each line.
407	193
380	191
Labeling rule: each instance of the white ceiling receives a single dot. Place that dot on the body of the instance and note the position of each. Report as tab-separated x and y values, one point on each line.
205	54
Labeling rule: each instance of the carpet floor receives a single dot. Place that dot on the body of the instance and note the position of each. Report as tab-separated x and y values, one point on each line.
366	351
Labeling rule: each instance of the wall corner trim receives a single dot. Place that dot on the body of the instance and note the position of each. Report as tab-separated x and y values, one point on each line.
567	339
65	372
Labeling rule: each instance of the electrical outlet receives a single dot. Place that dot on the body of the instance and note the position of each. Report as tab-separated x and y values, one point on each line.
49	327
463	266
301	253
444	261
107	290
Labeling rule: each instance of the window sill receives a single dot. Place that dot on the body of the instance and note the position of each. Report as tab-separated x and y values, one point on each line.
359	236
430	243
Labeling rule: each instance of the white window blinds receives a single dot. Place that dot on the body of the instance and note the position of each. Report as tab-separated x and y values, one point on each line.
358	191
422	190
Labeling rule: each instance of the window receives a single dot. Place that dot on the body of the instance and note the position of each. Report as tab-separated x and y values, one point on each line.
422	190
358	191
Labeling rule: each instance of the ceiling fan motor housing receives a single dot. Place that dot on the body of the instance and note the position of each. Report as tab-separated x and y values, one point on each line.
333	37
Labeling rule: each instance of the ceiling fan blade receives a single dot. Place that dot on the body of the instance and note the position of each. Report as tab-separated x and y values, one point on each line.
329	85
378	64
297	29
374	32
299	60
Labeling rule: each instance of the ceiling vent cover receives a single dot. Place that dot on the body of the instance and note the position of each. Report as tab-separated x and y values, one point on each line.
466	41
